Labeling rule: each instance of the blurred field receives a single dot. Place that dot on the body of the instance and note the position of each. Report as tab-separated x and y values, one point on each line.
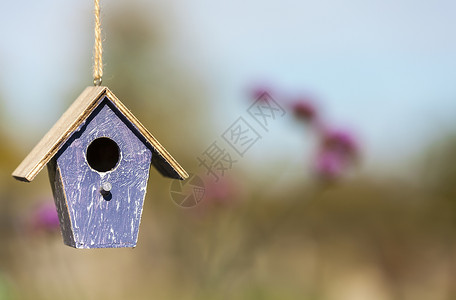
361	237
358	240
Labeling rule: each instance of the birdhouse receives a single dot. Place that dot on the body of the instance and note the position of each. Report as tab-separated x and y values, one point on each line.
98	156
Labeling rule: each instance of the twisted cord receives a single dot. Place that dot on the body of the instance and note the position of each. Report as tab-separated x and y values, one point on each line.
98	48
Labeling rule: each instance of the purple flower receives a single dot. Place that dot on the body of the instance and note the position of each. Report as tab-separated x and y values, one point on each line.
329	165
258	92
338	152
342	142
221	191
304	110
220	194
45	218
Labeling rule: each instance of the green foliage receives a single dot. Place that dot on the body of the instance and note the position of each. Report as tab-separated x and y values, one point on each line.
440	169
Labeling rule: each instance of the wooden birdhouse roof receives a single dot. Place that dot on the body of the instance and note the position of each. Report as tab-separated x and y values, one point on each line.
75	116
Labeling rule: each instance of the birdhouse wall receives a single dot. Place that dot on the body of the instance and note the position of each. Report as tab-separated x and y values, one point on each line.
88	218
60	203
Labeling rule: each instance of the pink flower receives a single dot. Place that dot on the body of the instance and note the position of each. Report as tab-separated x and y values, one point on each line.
45	218
259	91
304	110
329	165
341	141
338	152
220	192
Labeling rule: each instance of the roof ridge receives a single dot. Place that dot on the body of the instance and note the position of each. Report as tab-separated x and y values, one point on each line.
70	121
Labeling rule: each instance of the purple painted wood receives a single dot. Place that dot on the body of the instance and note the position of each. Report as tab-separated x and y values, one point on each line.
60	203
90	219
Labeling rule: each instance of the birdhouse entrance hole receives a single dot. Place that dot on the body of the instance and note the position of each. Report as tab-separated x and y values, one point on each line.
103	154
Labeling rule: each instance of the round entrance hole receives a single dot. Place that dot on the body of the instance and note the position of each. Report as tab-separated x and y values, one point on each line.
103	154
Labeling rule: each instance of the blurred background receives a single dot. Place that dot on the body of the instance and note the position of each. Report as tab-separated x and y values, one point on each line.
349	193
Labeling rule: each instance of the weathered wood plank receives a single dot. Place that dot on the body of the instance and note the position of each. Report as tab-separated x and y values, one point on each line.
48	146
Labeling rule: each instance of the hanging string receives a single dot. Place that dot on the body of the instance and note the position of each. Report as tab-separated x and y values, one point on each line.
98	49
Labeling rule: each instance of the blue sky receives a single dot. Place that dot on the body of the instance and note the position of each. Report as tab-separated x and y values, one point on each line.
386	68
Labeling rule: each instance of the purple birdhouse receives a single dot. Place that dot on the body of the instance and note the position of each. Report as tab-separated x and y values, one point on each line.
98	156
